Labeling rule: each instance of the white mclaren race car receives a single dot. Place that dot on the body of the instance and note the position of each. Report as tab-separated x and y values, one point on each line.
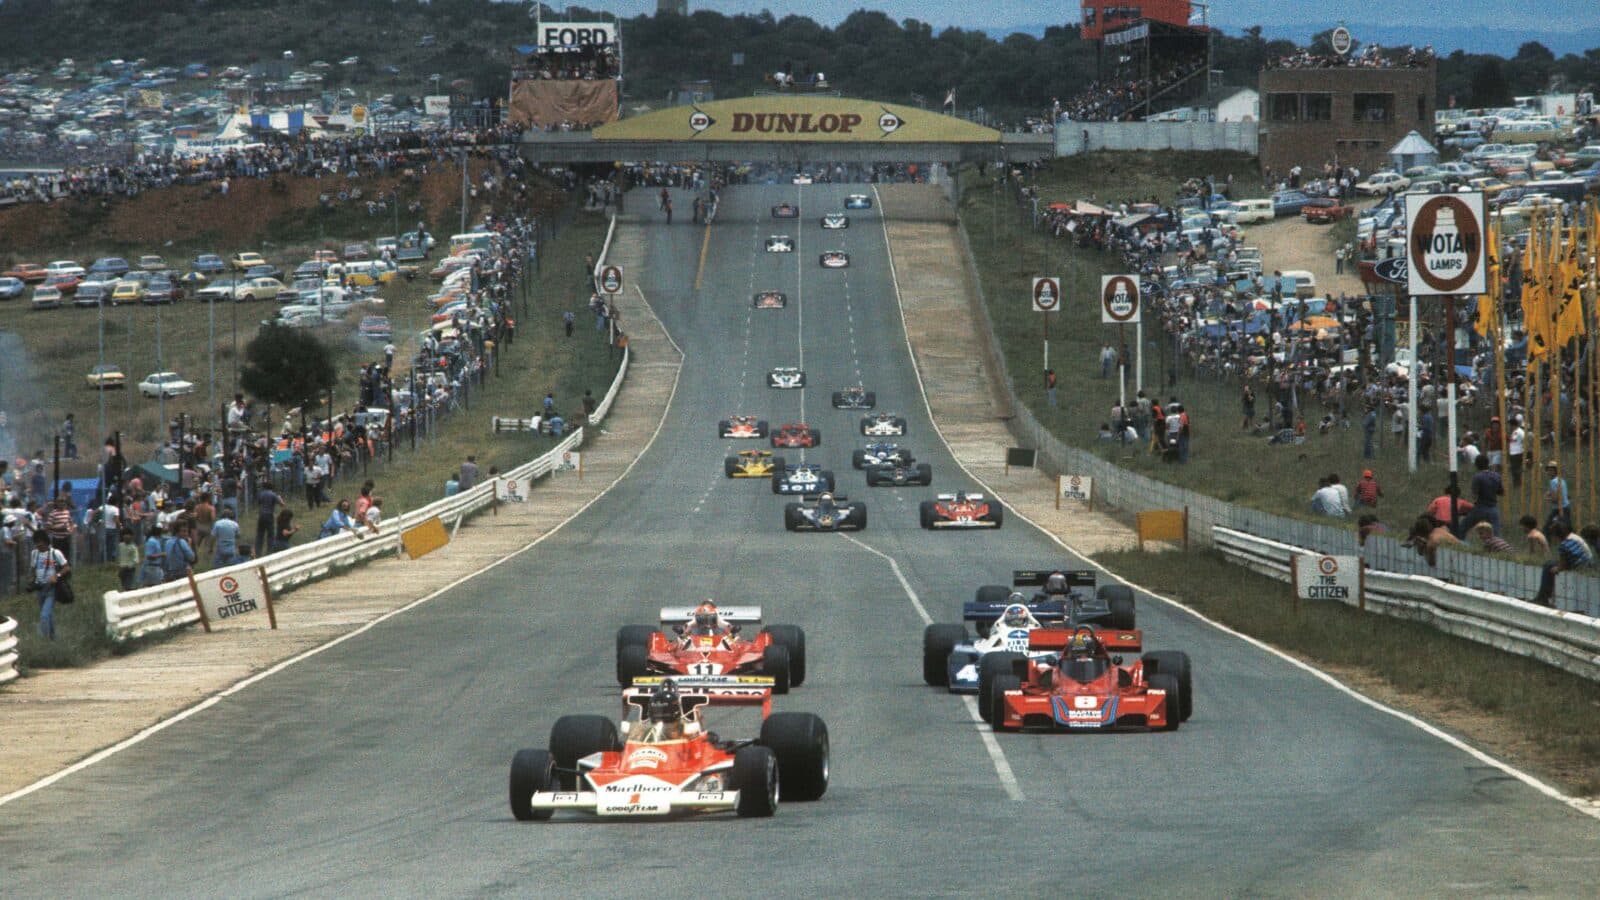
835	259
835	221
883	425
780	243
786	378
858	201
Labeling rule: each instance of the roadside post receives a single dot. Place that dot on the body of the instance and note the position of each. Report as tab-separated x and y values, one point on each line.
1047	299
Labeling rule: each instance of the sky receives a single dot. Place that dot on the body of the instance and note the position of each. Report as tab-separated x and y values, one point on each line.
1552	15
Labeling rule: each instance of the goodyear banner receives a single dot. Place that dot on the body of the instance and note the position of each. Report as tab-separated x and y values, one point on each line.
797	119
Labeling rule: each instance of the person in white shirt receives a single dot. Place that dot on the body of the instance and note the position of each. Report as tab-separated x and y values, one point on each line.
374	514
1515	449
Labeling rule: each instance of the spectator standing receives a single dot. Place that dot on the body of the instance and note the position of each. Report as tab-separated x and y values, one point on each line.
205	517
225	534
1494	440
1369	434
109	519
1516	449
1108	358
11	537
1338	260
589	405
1556	495
59	525
1247	401
127	560
180	556
364	500
313	485
154	568
468	476
568	319
1050	385
1425	436
549	405
49	566
267	503
69	437
1487	488
374	515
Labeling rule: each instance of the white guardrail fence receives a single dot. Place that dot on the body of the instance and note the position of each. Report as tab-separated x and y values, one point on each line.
1566	640
162	607
8	649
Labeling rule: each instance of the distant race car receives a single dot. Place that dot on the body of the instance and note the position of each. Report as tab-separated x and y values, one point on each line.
752	464
786	378
802	178
770	300
883	424
835	259
780	243
826	513
1061	595
663	759
742	427
785	211
706	640
960	511
805	478
794	434
858	201
835	221
952	659
899	474
1087	686
856	397
879	453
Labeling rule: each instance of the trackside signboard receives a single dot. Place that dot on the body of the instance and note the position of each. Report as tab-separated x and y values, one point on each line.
1446	244
1119	299
1327	577
220	597
575	34
1047	294
785	119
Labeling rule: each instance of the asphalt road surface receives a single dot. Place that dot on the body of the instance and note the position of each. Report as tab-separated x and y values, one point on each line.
379	768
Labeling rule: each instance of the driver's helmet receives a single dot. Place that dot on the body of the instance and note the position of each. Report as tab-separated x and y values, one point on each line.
961	496
1016	615
665	704
1081	645
706	618
825	500
1056	583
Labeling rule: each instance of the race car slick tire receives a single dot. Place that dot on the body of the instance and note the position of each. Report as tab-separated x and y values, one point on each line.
838	398
997	514
793	639
900	424
938	640
530	774
816	437
722	428
775	665
777	464
633	661
858	512
574	737
800	741
755	777
791	516
924	474
991	666
996	700
858	459
925	511
827	479
1176	664
634	634
1164	682
870	398
730	465
761	428
1119	599
777	481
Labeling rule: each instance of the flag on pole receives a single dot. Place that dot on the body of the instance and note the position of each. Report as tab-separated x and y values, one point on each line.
1489	304
950	101
1535	310
1569	284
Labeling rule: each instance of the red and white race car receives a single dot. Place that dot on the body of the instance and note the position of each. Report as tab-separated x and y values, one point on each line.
795	434
663	760
1085	686
707	640
742	427
960	510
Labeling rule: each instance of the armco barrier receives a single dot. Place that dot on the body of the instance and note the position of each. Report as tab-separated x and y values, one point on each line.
1566	640
8	649
162	607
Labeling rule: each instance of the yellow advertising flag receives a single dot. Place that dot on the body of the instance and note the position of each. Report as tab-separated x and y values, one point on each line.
1489	303
1569	318
1535	302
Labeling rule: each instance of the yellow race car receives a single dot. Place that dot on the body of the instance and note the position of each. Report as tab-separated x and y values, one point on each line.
752	464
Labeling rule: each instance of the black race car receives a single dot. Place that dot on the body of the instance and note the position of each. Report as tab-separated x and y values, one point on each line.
899	474
785	211
834	259
856	397
825	513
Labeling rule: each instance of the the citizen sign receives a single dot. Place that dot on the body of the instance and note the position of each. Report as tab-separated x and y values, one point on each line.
795	123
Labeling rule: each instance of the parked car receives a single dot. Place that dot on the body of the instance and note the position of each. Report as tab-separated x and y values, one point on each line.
152	263
46	297
267	270
1380	183
356	251
1488	184
65	282
126	291
114	266
1257	210
64	267
376	328
106	377
242	262
165	384
311	267
260	289
1326	210
92	293
208	264
12	288
1289	203
160	289
27	272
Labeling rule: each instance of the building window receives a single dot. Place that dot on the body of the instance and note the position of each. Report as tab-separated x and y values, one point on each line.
1088	17
1318	107
1283	107
1374	108
1422	108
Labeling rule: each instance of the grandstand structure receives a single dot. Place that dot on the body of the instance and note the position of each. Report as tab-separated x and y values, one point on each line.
569	78
1157	53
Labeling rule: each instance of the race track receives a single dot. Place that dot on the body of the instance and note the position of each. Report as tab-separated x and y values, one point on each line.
379	768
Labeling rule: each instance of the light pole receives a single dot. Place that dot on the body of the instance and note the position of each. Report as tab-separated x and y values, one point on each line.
211	349
100	316
235	313
161	391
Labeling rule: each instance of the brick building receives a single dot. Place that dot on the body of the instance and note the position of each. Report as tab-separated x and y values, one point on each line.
1313	115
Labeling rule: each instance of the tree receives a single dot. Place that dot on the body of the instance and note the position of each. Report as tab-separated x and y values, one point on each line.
1489	85
287	366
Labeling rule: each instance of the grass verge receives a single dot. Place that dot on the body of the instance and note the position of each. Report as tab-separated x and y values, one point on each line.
1524	711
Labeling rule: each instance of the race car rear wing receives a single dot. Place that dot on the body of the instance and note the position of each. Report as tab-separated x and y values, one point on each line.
1046	611
1076	578
976	498
812	498
742	615
1113	641
707	690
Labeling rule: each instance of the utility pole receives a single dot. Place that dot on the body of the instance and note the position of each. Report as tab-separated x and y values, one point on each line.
100	316
464	179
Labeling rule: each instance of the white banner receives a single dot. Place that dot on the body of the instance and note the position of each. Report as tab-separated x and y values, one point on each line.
1327	577
512	490
571	34
1075	487
436	105
232	595
571	461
